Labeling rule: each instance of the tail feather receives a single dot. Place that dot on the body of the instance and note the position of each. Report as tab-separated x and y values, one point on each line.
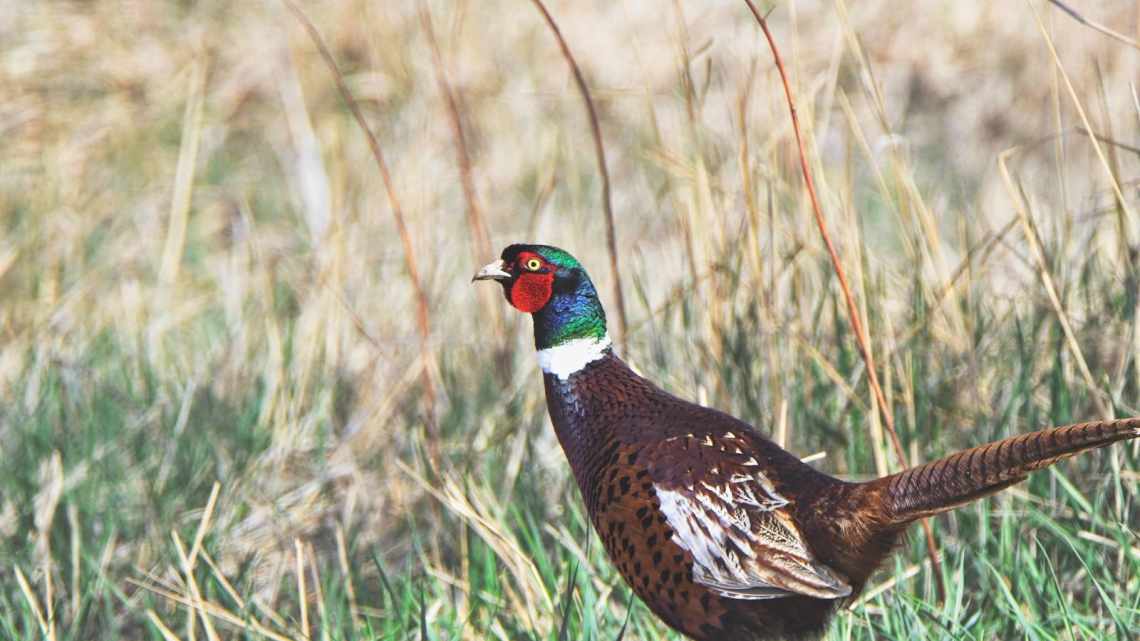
960	478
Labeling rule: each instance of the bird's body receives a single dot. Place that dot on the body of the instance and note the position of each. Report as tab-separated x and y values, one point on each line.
635	450
722	533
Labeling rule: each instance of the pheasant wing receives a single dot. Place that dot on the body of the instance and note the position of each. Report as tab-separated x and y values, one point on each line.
725	512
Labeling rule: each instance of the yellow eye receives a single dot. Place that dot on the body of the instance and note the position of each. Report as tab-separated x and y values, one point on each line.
532	264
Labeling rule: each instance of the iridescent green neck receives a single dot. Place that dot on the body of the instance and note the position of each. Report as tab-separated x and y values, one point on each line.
571	314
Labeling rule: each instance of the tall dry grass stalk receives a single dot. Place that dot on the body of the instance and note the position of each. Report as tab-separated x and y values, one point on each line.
603	170
861	339
423	320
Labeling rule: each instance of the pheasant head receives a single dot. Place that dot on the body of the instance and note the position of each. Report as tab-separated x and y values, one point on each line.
553	287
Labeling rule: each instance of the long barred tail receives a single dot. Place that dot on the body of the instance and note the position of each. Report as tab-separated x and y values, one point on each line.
963	477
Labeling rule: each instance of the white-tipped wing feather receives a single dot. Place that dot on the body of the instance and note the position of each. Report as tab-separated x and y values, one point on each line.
743	541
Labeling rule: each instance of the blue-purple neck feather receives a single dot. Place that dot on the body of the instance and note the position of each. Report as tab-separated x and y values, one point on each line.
573	312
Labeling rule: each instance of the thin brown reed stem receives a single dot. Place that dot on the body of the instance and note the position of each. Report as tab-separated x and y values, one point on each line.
480	238
600	153
1094	25
422	310
476	223
861	339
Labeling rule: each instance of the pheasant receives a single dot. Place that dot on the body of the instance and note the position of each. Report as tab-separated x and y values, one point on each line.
723	534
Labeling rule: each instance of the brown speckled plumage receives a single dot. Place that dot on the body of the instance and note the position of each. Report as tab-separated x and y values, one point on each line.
723	534
628	441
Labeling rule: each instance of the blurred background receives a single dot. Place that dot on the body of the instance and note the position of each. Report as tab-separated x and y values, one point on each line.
215	395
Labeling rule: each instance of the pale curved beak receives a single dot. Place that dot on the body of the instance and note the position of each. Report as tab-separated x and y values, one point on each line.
492	271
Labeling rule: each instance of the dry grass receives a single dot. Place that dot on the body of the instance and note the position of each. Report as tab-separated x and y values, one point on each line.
203	284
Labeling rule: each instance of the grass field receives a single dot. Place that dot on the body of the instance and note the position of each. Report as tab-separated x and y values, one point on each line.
211	390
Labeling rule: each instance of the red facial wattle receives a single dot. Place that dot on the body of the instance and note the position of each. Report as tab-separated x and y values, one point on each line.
531	291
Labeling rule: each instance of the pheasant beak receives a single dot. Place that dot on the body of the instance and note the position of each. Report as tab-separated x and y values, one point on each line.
492	271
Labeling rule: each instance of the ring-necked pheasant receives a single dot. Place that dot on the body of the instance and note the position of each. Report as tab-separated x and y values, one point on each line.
722	533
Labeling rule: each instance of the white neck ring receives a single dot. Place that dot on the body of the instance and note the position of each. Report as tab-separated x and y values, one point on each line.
572	356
